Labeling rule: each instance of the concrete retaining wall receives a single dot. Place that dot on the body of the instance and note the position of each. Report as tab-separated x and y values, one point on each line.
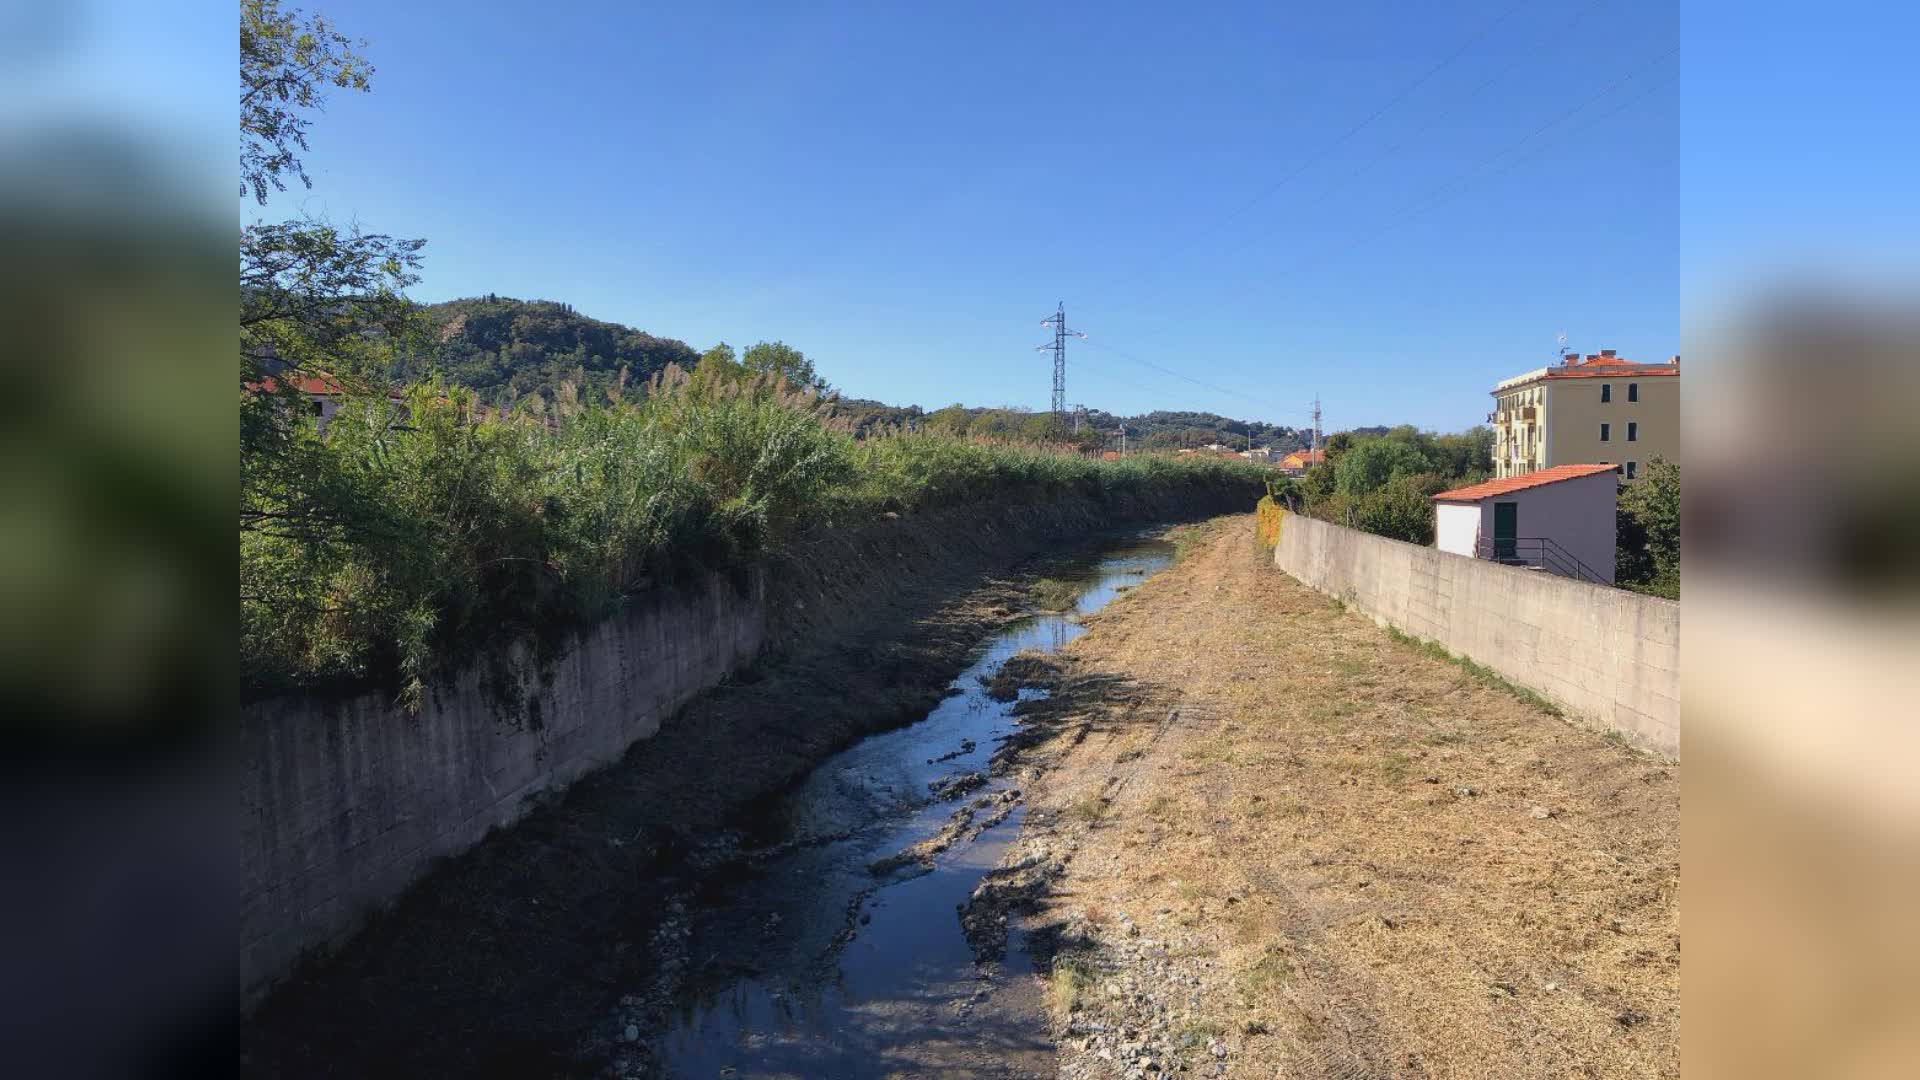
347	801
1607	656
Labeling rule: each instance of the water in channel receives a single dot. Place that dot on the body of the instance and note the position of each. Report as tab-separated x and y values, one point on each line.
811	964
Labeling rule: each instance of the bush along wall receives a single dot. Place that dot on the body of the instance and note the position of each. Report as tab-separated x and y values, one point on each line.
417	533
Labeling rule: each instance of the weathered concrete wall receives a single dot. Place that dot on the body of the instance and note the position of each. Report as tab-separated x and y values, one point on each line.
346	801
1607	656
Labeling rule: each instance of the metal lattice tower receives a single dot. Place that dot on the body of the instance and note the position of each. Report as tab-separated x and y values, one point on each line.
1058	320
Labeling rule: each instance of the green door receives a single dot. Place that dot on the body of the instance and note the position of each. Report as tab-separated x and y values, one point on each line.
1506	526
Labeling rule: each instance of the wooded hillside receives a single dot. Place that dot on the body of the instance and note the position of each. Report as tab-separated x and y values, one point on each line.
505	348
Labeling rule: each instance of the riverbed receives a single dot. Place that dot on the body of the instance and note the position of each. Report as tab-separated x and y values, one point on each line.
826	940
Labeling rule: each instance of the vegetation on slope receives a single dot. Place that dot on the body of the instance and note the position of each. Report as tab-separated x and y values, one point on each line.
506	349
510	351
421	533
1157	430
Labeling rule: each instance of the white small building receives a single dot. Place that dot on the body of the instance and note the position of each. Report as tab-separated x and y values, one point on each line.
1559	520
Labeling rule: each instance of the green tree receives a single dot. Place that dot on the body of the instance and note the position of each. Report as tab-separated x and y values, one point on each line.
717	368
315	301
952	420
317	304
1400	509
1372	462
287	64
1466	457
1647	552
779	358
1318	484
1046	427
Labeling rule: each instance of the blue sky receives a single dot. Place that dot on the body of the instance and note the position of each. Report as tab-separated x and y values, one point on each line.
1389	205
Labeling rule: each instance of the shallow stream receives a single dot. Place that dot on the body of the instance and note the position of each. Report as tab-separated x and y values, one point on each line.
817	958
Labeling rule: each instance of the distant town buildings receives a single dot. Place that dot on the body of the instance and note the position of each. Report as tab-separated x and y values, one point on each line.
1597	409
1298	462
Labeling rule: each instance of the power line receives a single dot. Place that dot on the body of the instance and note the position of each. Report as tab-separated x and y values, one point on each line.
1433	198
1439	194
1124	355
1252	237
1365	122
1058	320
1152	391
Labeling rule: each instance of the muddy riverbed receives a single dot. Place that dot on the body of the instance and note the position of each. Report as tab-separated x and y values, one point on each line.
829	935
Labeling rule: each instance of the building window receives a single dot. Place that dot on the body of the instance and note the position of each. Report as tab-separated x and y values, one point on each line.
1633	432
1633	468
317	407
1606	432
1606	392
1633	391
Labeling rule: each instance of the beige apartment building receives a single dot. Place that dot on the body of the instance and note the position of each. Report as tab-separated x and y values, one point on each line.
1596	409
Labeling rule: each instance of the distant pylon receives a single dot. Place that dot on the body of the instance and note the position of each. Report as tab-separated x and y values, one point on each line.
1058	320
1079	414
1316	425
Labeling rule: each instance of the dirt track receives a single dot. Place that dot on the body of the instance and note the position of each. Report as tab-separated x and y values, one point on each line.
1296	846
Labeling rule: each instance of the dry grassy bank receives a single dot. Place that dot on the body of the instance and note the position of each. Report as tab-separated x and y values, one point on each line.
1297	846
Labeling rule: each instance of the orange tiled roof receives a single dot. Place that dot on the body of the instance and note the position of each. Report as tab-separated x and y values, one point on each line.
318	385
1602	366
1476	492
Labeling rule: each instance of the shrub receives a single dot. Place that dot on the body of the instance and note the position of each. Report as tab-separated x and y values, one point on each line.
427	531
1267	521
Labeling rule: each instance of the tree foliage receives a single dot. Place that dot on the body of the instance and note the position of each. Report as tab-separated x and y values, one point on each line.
779	359
1371	463
506	349
477	529
1647	551
288	62
1382	482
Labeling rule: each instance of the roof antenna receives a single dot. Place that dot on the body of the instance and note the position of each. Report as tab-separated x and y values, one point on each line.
1562	339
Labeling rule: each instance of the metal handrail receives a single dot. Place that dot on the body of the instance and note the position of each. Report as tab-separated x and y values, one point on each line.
1539	552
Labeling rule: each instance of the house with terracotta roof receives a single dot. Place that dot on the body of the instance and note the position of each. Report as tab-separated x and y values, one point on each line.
320	394
1597	408
1558	520
1298	462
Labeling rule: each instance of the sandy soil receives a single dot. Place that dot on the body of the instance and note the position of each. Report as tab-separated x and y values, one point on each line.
1284	843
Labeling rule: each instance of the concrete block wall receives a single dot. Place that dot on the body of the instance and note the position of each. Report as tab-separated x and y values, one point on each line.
347	801
1607	656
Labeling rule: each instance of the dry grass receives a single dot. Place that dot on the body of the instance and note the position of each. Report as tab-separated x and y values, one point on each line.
1401	864
1056	594
1073	976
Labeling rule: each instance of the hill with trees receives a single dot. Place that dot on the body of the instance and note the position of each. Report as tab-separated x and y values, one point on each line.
1158	430
505	349
509	350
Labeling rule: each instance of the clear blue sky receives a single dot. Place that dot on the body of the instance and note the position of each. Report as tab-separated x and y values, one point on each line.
904	192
